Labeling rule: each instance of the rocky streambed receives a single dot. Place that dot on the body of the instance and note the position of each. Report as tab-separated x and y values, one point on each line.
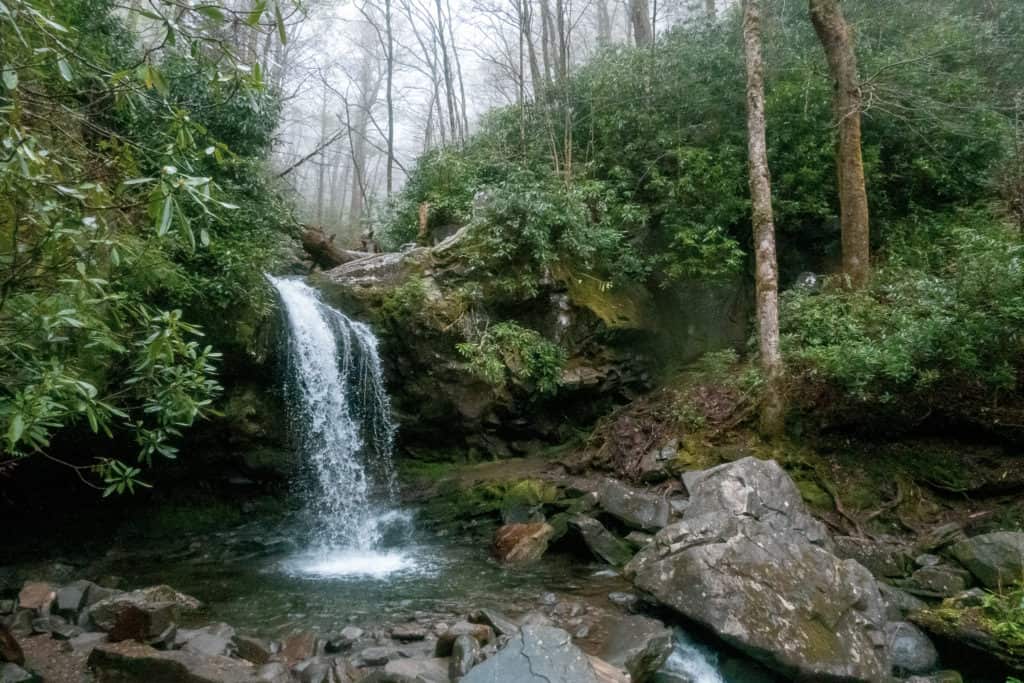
590	580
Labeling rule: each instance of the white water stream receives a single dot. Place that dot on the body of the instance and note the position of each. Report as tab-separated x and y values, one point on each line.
340	418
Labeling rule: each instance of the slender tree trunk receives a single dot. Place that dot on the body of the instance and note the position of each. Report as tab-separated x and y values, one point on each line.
323	159
767	276
547	30
834	34
447	70
389	96
604	24
640	18
458	73
710	8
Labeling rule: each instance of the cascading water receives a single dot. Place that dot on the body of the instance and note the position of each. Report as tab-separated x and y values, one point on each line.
341	421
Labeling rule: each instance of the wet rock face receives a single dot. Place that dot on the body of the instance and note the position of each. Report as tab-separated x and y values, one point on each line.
996	559
425	301
635	508
639	645
748	562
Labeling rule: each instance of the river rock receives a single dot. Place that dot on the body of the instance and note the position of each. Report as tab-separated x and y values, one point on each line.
12	673
996	559
749	563
759	489
131	661
522	543
465	652
299	646
215	639
937	581
71	599
898	603
274	672
638	509
910	650
253	649
481	632
639	645
85	642
10	650
37	596
419	670
537	654
502	625
603	543
141	615
373	656
885	559
20	623
408	633
937	677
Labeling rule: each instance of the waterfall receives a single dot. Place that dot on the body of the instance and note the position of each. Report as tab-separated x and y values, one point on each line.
340	419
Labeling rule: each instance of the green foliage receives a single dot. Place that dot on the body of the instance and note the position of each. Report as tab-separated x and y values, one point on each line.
1005	612
404	301
943	317
659	176
123	177
508	353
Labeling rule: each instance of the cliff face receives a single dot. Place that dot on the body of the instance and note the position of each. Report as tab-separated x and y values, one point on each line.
427	303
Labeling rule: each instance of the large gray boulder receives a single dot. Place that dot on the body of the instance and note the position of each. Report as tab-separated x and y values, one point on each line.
635	508
639	645
748	562
757	489
537	654
996	559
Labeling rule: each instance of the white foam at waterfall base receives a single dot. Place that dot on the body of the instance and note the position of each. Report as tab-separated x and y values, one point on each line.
340	418
691	661
354	563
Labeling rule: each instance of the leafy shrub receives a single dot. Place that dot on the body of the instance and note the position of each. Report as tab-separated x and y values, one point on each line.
939	319
508	353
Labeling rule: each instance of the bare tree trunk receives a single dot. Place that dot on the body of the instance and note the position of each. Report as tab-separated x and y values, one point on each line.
640	18
447	71
834	34
389	95
712	10
604	23
458	73
527	30
547	30
767	276
323	159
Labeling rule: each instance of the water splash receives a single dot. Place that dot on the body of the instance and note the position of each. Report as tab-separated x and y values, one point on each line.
690	661
340	418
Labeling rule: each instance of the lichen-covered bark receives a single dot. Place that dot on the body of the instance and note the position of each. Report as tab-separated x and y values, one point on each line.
834	34
766	266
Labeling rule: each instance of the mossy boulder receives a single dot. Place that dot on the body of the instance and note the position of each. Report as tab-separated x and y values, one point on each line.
750	564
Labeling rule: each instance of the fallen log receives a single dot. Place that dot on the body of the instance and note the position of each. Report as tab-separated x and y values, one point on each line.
325	254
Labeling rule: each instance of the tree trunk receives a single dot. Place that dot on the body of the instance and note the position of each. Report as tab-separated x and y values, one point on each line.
712	10
640	18
389	95
447	71
834	34
604	23
324	252
767	276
